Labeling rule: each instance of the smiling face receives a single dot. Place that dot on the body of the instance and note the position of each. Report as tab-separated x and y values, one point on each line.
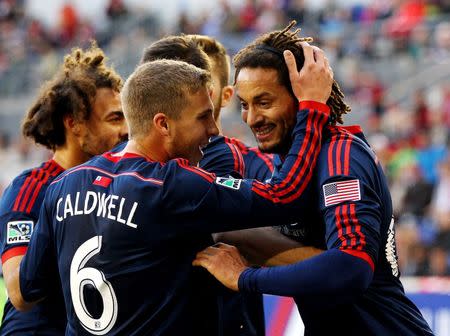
106	126
191	131
267	108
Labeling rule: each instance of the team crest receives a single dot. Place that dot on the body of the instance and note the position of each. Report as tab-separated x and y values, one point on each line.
19	232
229	182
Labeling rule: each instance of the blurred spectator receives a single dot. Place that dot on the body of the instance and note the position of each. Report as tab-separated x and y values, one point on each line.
247	16
68	24
407	15
441	52
421	111
116	9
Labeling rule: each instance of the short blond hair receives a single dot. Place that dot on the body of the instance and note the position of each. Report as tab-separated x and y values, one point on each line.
161	86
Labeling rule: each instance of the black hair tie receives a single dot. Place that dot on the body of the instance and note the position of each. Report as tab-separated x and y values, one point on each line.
270	49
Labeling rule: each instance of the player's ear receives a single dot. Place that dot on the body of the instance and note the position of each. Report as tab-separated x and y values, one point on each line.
227	93
161	124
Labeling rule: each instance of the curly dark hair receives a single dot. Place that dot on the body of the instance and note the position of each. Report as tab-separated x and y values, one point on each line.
267	52
71	91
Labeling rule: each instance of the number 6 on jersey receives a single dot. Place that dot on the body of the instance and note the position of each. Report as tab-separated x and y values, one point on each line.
81	276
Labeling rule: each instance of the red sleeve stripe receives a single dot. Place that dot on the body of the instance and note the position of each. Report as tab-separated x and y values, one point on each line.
240	145
14	252
241	163
268	160
346	224
34	182
237	157
348	227
330	153
358	232
302	164
349	224
36	192
301	159
348	144
338	158
308	166
53	170
263	187
339	225
207	176
244	150
23	188
35	177
362	255
273	191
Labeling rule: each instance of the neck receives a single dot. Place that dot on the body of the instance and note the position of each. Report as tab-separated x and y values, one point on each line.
147	148
67	157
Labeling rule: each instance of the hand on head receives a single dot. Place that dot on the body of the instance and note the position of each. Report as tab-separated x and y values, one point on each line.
224	262
315	79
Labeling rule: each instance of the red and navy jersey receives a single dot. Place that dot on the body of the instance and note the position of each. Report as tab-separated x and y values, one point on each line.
258	165
121	232
19	212
247	161
223	158
353	212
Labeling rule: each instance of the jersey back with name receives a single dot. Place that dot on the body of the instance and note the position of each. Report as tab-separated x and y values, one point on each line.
125	269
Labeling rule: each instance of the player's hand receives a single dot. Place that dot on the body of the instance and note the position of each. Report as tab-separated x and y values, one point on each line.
315	79
224	262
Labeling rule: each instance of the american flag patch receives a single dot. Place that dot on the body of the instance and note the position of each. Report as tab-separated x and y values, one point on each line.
338	192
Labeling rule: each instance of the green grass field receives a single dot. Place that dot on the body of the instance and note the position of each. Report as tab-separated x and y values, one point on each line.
3	297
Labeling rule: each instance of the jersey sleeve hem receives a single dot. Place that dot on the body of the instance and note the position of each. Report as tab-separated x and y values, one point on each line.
14	252
310	104
361	255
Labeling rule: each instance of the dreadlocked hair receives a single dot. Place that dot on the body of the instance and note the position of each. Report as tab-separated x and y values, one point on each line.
71	91
267	52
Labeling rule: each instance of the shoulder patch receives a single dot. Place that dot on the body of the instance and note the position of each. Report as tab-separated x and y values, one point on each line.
229	182
338	192
19	232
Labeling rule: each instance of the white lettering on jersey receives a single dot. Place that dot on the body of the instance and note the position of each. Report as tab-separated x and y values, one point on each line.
101	204
391	255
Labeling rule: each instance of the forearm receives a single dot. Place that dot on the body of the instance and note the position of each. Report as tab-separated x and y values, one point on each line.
310	282
11	276
267	247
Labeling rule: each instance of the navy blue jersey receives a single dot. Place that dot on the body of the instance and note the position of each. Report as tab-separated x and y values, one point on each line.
258	165
19	212
223	158
121	232
353	211
240	314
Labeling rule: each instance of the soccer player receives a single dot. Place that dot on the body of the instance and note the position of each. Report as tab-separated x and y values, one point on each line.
352	288
123	229
77	115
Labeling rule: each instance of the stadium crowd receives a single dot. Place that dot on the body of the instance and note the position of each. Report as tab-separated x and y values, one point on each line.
391	58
